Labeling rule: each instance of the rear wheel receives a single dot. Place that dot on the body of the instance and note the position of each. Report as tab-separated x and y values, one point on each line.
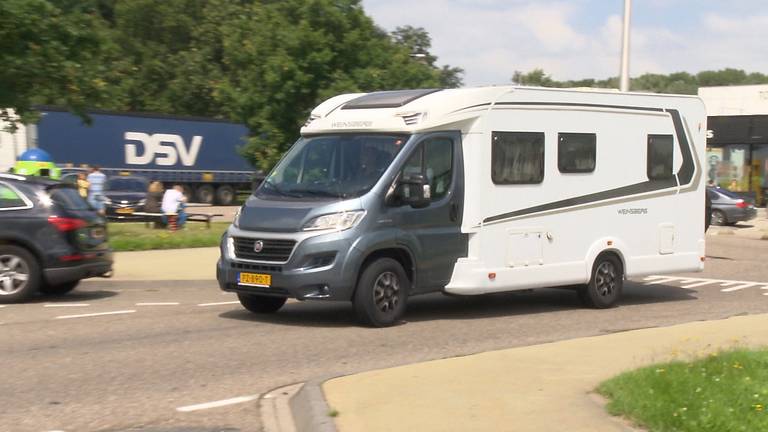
381	294
718	218
58	289
225	195
261	304
204	194
19	274
606	284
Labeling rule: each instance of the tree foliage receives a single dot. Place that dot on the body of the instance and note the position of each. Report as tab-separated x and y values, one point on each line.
678	82
264	63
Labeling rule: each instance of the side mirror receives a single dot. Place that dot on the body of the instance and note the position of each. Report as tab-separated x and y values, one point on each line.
414	190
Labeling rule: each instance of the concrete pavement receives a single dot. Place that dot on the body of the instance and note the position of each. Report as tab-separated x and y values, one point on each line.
536	388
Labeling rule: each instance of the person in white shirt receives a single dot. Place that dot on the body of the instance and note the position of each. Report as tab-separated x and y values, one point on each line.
173	203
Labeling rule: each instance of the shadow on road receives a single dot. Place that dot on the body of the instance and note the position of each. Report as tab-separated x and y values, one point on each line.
441	307
74	297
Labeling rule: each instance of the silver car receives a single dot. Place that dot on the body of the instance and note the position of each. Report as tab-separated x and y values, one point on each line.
728	207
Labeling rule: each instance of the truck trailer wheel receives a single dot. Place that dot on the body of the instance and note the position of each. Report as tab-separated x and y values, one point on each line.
381	293
605	285
204	194
261	304
225	195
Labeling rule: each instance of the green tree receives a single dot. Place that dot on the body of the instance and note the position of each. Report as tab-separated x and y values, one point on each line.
419	43
49	56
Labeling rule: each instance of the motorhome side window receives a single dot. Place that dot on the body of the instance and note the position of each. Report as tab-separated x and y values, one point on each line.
660	157
517	157
433	159
576	152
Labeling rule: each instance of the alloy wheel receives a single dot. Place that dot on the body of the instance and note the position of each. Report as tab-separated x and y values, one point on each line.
605	279
386	292
14	274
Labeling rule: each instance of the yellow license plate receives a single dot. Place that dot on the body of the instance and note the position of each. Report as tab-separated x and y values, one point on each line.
255	279
124	211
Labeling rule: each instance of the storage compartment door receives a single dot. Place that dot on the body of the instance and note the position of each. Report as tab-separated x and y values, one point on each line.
666	239
524	248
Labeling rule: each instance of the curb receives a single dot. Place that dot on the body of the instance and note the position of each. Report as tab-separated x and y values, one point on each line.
297	408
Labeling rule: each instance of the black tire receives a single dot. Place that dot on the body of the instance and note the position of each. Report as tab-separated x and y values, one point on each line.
19	274
261	304
225	195
204	194
606	284
58	289
381	293
718	218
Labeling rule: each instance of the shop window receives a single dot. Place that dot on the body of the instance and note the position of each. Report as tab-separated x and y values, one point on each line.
517	157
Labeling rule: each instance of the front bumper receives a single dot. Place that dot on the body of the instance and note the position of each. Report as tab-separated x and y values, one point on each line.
332	277
100	266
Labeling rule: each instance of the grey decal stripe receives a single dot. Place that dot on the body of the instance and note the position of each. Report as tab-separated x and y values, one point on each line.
685	174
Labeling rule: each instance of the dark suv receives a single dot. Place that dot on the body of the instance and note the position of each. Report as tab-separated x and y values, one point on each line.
50	238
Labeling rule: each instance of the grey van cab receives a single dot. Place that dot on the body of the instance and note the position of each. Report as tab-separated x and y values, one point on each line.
368	218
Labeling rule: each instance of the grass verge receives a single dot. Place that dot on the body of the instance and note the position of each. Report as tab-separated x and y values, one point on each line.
136	237
722	392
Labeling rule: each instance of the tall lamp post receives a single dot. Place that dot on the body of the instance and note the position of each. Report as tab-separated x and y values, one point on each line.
624	75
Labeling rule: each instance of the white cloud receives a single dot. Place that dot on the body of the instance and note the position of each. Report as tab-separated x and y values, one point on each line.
491	39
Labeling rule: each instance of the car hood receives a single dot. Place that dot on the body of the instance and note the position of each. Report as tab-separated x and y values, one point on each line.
287	216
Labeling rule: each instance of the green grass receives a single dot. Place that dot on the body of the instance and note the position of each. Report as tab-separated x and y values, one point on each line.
136	237
720	393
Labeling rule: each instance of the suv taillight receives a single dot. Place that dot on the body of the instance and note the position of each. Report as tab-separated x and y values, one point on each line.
742	204
65	224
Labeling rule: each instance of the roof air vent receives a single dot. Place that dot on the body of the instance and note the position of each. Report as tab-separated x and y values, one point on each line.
312	117
411	119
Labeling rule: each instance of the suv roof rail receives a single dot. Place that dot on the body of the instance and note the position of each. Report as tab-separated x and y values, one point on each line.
12	176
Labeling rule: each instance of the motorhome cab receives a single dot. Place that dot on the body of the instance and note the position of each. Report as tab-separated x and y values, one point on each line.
388	195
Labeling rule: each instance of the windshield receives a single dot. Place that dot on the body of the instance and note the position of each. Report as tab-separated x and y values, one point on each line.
126	185
331	166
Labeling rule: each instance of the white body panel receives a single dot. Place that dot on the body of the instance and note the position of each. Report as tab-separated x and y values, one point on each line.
549	233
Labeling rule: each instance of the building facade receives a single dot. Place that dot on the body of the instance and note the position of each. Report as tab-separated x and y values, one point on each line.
737	143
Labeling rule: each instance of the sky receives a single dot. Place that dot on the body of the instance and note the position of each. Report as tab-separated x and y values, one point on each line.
575	39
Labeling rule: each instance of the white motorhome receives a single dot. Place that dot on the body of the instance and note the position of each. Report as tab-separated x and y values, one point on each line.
474	191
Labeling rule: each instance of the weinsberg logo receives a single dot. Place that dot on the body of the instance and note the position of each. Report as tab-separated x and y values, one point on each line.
170	148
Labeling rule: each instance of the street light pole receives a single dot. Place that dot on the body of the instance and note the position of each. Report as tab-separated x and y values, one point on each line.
624	75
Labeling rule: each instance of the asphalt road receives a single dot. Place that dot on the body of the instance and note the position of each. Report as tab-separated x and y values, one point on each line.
166	350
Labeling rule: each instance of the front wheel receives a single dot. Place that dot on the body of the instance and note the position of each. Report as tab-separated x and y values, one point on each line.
261	304
381	293
606	284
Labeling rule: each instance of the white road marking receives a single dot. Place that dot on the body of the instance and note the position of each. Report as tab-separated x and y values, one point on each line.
158	304
66	305
217	404
219	303
97	314
2	306
694	285
740	287
662	281
729	283
653	277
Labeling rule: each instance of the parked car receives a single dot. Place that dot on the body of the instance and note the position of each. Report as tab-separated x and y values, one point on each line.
125	196
50	238
728	207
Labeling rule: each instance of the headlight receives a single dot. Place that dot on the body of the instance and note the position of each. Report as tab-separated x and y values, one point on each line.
335	221
107	201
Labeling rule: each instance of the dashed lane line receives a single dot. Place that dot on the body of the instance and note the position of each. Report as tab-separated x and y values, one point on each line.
740	287
217	404
219	303
96	314
158	304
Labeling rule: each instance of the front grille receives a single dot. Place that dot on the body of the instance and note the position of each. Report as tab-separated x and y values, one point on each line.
257	267
272	251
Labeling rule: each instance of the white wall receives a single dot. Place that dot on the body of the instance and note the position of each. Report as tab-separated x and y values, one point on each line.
11	145
735	100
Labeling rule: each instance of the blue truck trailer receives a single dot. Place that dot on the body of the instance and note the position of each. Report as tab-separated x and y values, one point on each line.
199	153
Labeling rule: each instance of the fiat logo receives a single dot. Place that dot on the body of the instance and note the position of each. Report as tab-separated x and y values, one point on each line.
258	246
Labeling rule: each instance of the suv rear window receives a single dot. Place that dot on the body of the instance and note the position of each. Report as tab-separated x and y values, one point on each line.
68	198
9	199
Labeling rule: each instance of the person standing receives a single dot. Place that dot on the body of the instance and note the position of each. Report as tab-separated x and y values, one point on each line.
96	180
82	185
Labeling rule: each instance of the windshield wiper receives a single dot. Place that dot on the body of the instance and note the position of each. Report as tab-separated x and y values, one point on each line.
280	191
323	193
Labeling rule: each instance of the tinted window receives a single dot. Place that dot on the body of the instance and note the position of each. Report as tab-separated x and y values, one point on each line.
9	198
576	152
68	198
517	157
660	157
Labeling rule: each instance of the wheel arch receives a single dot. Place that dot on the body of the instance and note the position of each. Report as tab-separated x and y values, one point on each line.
399	254
24	244
602	247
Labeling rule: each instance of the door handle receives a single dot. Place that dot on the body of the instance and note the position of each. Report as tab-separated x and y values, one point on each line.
453	213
